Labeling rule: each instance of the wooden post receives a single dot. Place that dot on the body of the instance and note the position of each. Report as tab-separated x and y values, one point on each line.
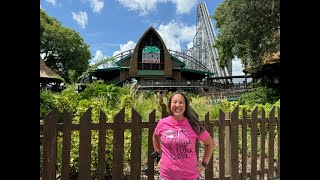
85	146
234	126
50	145
254	144
102	146
209	127
151	127
118	145
222	122
136	139
270	174
244	144
278	133
66	146
227	154
262	144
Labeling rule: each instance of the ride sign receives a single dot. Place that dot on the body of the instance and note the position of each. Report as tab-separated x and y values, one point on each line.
151	54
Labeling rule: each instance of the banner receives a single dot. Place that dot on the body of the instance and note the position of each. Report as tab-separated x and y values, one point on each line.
151	54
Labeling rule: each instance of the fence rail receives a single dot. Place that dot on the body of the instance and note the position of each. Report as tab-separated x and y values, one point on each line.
233	158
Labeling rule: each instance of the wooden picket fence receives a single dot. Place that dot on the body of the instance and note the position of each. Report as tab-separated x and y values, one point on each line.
230	165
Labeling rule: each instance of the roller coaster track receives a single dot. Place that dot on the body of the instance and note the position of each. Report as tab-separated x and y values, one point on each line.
203	43
190	62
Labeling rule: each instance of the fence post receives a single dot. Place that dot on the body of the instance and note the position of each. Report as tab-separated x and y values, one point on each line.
118	143
136	139
102	146
85	146
222	122
278	134
227	146
209	127
262	143
271	144
234	126
67	122
151	127
50	145
244	144
254	143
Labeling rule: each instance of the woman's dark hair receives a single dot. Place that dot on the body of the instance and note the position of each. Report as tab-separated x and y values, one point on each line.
189	113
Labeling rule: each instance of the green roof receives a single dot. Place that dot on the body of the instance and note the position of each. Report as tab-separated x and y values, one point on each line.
107	69
123	59
151	72
196	71
177	60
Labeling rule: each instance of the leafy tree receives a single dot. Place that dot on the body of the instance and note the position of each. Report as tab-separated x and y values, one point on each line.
248	29
64	49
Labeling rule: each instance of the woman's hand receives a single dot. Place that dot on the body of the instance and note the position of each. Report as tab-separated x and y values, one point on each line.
159	163
200	167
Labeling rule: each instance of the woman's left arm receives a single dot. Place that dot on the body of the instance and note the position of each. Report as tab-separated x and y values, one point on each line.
208	149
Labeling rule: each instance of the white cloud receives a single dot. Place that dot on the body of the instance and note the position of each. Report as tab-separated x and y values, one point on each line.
53	2
188	32
99	55
81	18
125	47
96	5
184	6
174	33
146	6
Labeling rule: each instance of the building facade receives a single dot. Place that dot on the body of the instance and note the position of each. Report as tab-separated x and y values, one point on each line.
152	67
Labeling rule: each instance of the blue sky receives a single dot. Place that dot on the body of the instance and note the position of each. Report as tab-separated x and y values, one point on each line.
113	26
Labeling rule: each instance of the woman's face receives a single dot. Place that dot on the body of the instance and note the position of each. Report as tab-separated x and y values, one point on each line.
178	106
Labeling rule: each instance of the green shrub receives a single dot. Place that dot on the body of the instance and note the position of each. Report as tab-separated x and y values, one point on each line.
262	95
46	103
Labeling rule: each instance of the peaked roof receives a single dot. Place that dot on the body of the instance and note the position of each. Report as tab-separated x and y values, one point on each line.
45	72
157	34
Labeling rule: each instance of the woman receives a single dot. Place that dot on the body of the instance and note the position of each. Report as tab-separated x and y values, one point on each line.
177	134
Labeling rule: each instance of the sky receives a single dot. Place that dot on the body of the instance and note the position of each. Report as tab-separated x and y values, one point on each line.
113	26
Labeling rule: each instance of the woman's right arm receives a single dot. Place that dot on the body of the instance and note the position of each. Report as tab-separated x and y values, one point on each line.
156	146
156	142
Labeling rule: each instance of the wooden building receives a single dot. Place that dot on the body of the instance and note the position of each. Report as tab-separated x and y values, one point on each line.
150	61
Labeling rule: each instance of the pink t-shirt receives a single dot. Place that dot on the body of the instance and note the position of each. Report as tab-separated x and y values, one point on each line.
179	157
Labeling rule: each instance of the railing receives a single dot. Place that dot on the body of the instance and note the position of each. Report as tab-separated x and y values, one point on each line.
123	54
191	63
169	83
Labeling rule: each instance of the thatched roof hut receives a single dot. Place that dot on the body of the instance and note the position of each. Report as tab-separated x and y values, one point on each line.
47	76
45	72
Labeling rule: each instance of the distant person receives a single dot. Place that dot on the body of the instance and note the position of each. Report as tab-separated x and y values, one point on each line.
178	133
